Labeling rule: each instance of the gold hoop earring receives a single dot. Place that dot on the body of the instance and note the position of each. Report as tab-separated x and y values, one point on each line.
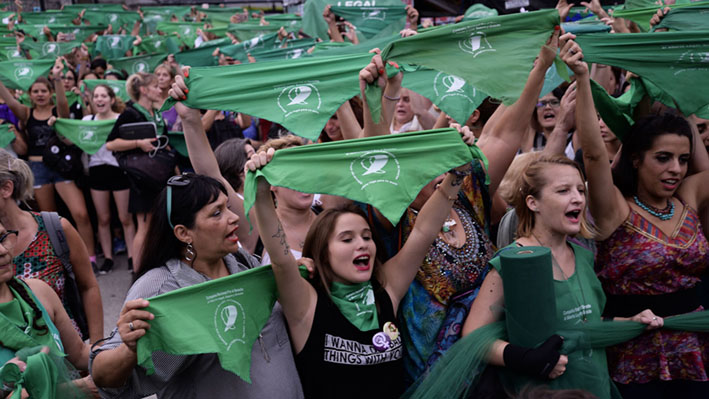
190	253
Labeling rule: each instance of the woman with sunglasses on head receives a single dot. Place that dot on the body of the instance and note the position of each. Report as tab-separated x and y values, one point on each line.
31	315
193	239
652	251
144	92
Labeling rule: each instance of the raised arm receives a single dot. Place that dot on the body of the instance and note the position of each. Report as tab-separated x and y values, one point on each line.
349	126
297	297
56	76
204	161
606	203
564	123
501	143
374	72
400	270
22	112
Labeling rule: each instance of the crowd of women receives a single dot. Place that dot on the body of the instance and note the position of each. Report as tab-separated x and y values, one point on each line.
622	222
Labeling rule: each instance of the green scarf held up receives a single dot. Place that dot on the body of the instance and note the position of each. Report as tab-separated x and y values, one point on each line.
48	49
675	62
315	26
386	171
642	15
688	18
48	18
158	44
247	30
449	92
356	303
375	21
21	74
225	317
141	63
186	31
202	55
118	86
113	46
301	94
6	135
479	11
88	135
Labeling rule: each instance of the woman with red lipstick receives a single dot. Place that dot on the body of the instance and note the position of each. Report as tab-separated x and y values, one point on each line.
651	250
342	324
194	239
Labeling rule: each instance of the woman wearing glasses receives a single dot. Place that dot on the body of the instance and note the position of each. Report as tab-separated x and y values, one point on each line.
144	91
31	315
193	239
34	255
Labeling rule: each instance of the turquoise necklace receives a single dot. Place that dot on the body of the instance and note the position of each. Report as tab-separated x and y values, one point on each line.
663	214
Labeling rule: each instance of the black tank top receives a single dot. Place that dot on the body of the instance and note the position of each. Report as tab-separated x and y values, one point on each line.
339	361
38	133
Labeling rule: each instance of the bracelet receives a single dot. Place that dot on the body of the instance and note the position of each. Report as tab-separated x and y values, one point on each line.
448	197
391	98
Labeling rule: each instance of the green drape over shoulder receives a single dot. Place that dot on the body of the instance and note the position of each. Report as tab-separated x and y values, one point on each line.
225	316
386	171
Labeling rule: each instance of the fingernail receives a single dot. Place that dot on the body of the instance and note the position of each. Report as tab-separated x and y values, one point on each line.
187	73
557	27
184	98
381	71
187	91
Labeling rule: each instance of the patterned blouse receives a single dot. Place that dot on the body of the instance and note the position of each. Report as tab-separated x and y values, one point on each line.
639	259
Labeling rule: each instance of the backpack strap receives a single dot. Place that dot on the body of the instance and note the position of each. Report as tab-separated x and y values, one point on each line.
54	228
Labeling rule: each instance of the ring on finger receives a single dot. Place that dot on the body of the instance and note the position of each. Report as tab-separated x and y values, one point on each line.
654	318
131	326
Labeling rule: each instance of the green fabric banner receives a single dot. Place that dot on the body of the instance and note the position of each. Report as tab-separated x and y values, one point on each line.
117	19
588	25
93	7
313	23
288	53
502	47
299	94
689	18
158	44
87	135
478	11
10	52
202	55
240	50
47	18
48	49
185	31
246	31
177	141
376	21
449	92
6	135
676	62
385	171
179	11
118	86
617	113
642	15
80	32
140	63
113	46
21	74
225	317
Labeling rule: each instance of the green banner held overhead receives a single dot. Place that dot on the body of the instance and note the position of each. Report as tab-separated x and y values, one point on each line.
6	135
689	18
88	135
247	31
202	55
376	21
158	44
315	26
49	49
676	62
47	18
79	32
21	74
288	53
117	19
118	86
240	50
185	31
301	94
385	171
225	317
113	46
478	11
141	63
449	92
642	16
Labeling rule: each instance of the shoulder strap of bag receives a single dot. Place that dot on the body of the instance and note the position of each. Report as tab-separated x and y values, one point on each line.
56	236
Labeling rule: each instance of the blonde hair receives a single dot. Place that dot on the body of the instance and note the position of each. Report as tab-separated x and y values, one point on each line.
136	81
19	173
282	142
512	180
531	182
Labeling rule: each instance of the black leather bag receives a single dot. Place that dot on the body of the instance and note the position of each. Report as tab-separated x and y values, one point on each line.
63	158
149	171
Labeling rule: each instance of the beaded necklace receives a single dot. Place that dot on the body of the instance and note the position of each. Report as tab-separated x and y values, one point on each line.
664	214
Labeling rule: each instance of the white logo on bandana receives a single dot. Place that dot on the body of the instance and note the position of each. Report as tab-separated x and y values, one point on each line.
230	323
50	48
23	72
475	44
375	166
376	14
140	66
445	85
303	97
87	135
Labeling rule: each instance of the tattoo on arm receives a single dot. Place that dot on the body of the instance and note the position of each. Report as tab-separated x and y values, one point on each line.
281	235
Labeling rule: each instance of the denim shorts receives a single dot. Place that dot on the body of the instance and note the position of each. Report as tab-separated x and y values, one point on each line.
44	175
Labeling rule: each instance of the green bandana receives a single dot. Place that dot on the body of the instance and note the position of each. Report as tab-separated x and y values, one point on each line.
689	18
117	19
80	32
356	303
6	135
588	25
88	135
48	18
155	117
106	7
299	94
247	31
642	15
221	16
315	26
676	62
502	47
10	52
225	317
449	92
202	55
177	141
186	31
113	46
141	63
287	53
159	44
379	21
385	171
48	49
239	51
118	86
21	74
478	11
285	20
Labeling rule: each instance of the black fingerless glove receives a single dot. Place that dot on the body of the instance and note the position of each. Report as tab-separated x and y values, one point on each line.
537	362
